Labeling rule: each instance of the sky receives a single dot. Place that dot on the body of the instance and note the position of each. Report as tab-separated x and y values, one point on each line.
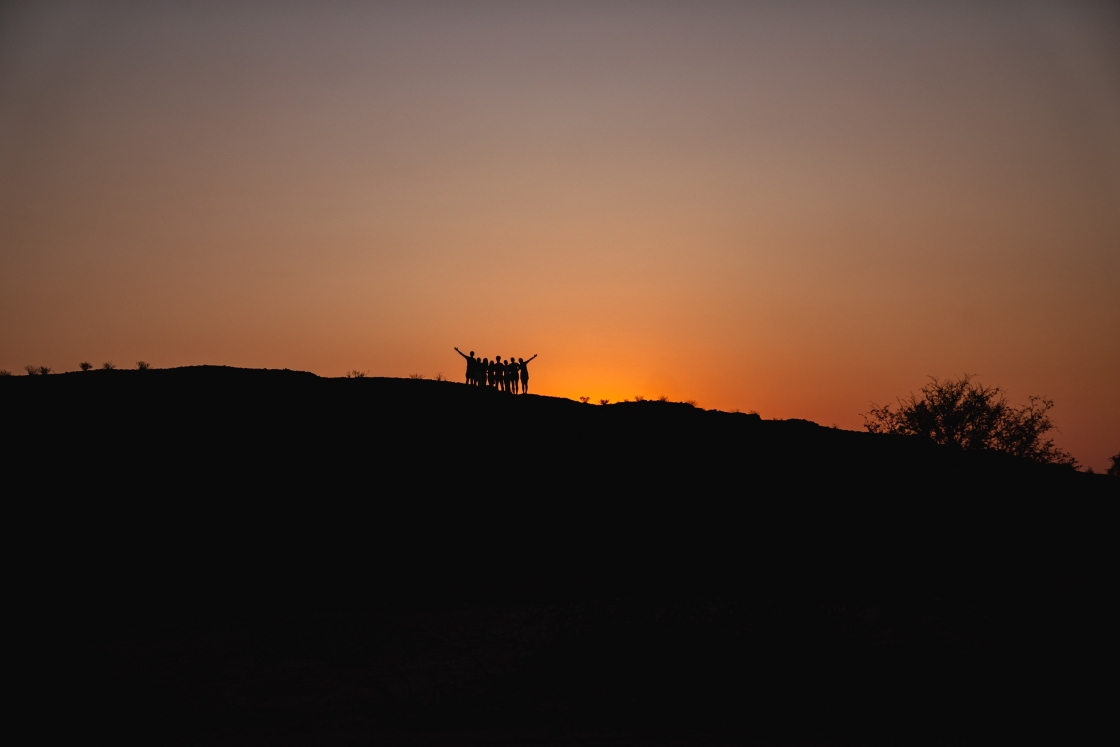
796	208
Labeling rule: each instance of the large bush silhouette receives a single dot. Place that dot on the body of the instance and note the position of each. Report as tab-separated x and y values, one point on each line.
963	413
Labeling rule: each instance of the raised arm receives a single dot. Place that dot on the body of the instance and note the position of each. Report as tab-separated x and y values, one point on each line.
460	352
534	356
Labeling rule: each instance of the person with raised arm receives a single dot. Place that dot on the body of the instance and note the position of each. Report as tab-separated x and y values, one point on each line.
523	365
471	365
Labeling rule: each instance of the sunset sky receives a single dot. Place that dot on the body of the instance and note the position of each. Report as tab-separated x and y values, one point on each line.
793	207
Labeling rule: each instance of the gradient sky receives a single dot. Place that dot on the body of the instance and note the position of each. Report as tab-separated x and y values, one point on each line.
798	208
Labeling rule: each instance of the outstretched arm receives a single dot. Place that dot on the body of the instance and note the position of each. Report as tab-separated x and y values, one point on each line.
534	356
460	352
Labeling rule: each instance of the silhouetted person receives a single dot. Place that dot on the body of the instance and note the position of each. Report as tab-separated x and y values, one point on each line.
524	366
496	373
484	372
515	371
470	365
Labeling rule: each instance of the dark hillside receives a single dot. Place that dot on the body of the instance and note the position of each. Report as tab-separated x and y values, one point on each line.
236	556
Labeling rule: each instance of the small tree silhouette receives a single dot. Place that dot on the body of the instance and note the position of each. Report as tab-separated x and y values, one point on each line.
356	374
108	365
37	370
439	376
143	366
1114	470
584	400
416	376
5	372
663	398
639	398
604	402
971	416
85	365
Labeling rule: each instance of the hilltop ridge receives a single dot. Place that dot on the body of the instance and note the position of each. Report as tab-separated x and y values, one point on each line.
443	461
165	413
220	554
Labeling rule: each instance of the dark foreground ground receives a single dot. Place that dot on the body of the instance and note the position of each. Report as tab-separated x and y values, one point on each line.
223	556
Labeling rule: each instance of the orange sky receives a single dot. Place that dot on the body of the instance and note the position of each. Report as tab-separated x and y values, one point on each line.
797	208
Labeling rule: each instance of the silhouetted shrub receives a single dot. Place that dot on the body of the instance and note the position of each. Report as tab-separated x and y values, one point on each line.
690	402
663	398
439	376
585	400
972	416
356	374
85	366
1114	470
604	402
639	398
143	366
108	365
37	370
5	372
416	376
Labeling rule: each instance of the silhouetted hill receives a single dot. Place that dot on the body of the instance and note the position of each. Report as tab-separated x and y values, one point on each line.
236	556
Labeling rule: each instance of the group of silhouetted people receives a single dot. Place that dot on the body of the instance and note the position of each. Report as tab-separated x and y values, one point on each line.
499	374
